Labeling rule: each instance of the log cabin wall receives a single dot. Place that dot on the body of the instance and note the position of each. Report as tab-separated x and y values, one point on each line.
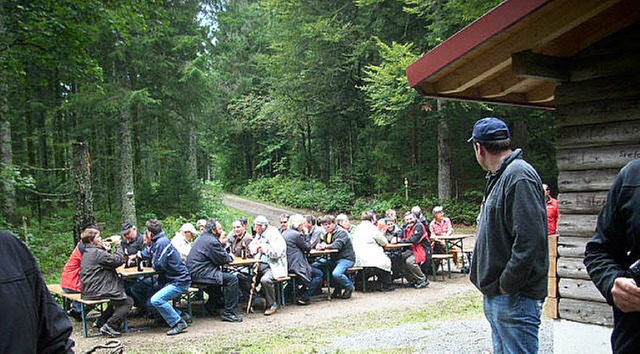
598	120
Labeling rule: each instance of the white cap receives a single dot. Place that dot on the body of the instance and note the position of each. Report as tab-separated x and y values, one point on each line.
188	227
261	220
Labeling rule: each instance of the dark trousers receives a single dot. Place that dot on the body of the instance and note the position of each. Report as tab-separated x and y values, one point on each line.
117	311
229	292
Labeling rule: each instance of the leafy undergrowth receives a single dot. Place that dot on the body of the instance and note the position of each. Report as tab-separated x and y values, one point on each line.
310	338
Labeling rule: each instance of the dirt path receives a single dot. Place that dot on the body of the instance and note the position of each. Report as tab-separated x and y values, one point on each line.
256	208
321	310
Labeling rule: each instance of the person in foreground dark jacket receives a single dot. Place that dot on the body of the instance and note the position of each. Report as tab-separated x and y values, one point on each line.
615	247
101	281
31	321
205	262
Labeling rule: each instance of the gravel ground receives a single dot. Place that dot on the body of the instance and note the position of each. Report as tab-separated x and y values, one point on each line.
462	336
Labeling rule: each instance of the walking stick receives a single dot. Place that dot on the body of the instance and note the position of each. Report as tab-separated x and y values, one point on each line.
254	282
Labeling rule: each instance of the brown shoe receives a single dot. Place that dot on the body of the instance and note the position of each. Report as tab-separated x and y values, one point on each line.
271	310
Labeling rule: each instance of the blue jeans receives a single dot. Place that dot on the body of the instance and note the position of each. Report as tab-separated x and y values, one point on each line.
515	321
341	280
314	284
161	302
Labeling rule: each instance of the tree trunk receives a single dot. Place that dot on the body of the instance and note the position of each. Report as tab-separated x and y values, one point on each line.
192	159
83	194
8	195
127	195
444	157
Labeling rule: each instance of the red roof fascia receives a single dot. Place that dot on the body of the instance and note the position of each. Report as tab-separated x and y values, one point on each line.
493	22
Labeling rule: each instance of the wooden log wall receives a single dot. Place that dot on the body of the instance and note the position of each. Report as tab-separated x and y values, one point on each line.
598	121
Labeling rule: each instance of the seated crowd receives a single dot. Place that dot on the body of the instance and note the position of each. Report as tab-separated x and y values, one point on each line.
310	250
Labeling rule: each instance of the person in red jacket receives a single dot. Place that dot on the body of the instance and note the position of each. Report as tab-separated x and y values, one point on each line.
70	279
553	213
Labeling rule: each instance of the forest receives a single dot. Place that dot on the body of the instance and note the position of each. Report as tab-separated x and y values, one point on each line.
304	103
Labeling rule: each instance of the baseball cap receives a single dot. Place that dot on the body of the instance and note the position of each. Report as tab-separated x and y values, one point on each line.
126	226
261	220
490	129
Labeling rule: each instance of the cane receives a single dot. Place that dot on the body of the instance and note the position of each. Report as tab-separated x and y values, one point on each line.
254	282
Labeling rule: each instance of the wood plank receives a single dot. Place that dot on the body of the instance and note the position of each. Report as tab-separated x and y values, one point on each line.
551	307
586	181
611	63
527	64
552	287
581	203
577	225
597	158
572	267
602	88
553	267
553	246
617	133
579	289
572	246
585	311
598	111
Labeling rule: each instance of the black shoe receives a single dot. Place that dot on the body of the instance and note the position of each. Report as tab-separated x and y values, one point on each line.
186	317
347	293
337	294
387	288
422	285
109	331
301	301
410	285
178	328
230	317
75	315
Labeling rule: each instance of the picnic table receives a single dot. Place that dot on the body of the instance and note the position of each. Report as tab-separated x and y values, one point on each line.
454	240
133	272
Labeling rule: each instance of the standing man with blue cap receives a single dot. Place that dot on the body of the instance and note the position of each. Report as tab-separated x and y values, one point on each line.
511	257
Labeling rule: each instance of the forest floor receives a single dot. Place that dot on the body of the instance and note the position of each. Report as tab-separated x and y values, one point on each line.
445	317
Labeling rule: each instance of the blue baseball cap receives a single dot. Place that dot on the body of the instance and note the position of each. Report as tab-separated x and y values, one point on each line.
490	129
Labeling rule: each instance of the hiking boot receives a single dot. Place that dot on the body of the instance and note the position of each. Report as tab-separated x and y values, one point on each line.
347	293
109	331
422	285
230	317
271	310
178	328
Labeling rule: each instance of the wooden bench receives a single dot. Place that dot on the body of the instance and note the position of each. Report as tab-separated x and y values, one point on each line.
56	290
439	259
280	284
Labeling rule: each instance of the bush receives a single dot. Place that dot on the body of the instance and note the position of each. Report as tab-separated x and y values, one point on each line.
301	194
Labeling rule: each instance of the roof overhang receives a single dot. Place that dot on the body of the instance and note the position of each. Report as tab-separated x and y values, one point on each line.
518	52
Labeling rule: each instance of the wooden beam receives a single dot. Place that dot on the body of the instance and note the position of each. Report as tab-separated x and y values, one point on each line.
544	93
597	158
586	181
577	225
585	311
527	64
582	202
580	289
532	32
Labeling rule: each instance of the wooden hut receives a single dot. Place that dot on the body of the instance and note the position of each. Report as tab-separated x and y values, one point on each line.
578	57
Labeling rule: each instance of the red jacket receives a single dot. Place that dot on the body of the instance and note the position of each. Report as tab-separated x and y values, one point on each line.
553	215
71	272
418	239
